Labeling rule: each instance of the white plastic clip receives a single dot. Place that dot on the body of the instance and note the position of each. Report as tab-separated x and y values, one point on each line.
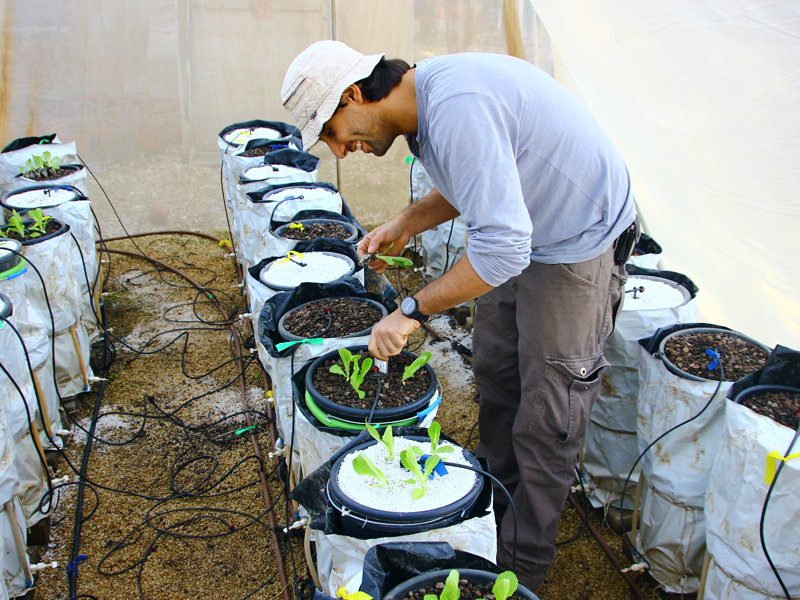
244	316
296	525
637	568
231	255
575	489
96	379
60	480
279	452
239	285
43	566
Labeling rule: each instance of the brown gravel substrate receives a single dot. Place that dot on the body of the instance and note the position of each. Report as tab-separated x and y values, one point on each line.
348	316
782	407
208	537
337	388
317	230
739	357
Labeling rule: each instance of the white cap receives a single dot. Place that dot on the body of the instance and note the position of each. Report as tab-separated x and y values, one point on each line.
315	81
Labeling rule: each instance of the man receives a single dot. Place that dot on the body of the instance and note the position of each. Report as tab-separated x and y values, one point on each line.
546	199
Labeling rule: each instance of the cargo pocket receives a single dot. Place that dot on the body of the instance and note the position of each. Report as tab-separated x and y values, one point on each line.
565	396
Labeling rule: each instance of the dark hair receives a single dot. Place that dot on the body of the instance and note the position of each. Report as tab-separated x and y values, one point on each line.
384	78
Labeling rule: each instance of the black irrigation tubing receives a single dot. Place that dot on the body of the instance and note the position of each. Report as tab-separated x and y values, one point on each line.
253	438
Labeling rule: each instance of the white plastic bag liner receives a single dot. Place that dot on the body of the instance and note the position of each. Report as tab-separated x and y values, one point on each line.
50	400
74	209
736	493
234	165
250	225
340	558
32	478
437	240
645	261
11	162
673	538
610	447
75	178
720	584
676	468
69	374
13	568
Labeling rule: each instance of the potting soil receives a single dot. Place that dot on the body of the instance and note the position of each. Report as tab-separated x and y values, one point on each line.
781	407
468	591
656	295
49	227
393	393
319	268
317	230
442	490
739	357
347	317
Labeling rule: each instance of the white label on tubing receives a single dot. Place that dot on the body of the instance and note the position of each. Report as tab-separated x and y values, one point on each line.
241	136
41	198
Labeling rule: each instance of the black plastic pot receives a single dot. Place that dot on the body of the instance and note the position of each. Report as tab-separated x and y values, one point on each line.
63	228
433	577
763	389
71	168
12	200
350	228
672	368
6	306
358	415
290	337
363	522
9	260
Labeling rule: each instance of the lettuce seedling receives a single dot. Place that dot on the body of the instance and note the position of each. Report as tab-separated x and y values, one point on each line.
409	459
40	222
351	371
387	440
15	223
47	162
364	466
505	585
434	431
451	590
415	366
394	260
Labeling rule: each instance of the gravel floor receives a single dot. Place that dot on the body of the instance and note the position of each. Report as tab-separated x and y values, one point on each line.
212	540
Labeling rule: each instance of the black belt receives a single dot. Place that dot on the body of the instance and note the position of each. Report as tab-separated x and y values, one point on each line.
623	246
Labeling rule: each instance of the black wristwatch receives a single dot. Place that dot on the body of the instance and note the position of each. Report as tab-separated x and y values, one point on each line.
410	309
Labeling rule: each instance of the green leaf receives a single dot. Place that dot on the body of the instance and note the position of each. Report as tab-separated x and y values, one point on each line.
373	432
364	466
433	432
37	162
417	493
451	590
409	460
444	449
394	260
388	441
336	369
505	585
431	597
46	156
15	222
55	162
415	366
430	464
346	357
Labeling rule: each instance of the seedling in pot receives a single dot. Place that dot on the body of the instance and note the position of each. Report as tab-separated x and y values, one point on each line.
15	224
451	590
47	163
387	440
415	366
409	459
362	465
434	431
40	222
503	588
352	372
389	260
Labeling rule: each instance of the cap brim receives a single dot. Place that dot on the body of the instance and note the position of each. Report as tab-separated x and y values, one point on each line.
362	70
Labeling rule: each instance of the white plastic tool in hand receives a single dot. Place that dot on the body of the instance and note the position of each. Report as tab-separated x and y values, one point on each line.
383	366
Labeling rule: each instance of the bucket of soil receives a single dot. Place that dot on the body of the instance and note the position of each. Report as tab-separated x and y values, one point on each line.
778	402
11	263
33	232
348	317
684	353
311	229
369	509
309	267
472	583
39	196
332	399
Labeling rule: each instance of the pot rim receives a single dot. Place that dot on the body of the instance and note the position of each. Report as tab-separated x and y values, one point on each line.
358	415
369	514
400	592
4	201
279	231
290	337
672	368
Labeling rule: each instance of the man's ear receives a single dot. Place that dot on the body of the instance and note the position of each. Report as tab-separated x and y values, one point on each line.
352	95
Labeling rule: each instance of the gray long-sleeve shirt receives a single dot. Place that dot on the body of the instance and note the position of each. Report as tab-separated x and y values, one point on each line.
528	166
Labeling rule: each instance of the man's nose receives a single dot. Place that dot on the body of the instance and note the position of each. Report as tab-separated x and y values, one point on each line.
339	150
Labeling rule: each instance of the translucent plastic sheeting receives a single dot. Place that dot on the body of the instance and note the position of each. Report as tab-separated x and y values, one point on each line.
701	99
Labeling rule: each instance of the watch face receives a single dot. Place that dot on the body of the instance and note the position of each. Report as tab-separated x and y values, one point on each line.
408	306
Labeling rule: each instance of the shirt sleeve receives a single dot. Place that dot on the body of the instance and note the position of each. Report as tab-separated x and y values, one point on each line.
473	140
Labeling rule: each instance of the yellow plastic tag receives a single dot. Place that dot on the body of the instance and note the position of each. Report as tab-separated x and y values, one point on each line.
772	464
297	226
223	243
289	256
342	593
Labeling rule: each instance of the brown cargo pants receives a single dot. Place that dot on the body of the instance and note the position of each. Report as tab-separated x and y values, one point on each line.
538	348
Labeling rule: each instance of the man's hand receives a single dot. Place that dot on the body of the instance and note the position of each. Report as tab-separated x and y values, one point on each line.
390	335
380	238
